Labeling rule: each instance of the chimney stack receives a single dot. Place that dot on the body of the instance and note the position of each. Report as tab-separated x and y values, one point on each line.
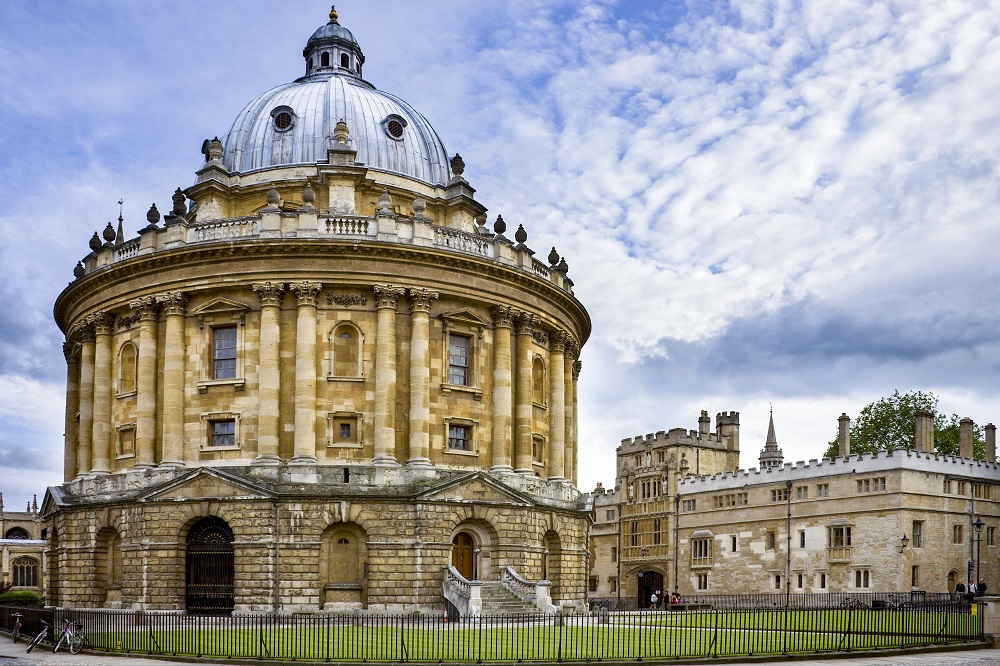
965	438
704	423
844	440
925	431
991	442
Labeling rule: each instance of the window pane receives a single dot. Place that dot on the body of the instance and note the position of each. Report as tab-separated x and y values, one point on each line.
458	360
458	437
224	352
223	433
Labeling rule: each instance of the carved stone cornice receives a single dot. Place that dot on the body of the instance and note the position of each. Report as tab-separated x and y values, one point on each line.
173	302
386	296
146	309
306	293
128	322
269	293
420	299
346	300
577	366
557	340
71	350
503	316
103	322
526	323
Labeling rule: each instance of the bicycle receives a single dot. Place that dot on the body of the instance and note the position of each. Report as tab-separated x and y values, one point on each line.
16	632
72	632
853	604
41	635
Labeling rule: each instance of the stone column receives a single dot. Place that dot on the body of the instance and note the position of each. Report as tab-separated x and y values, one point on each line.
70	432
557	406
571	466
174	308
569	434
85	443
146	371
522	444
386	297
307	294
503	321
268	373
101	454
420	376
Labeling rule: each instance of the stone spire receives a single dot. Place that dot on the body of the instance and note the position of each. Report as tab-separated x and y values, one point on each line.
771	456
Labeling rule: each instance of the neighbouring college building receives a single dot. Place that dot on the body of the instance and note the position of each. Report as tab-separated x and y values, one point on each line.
22	549
682	518
319	381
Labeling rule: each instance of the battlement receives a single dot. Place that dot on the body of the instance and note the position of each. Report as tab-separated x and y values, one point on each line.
727	425
862	463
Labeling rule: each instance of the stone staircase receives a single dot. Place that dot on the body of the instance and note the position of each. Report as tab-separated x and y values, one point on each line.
499	601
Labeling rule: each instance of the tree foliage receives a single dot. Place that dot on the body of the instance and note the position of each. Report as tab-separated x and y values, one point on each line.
890	423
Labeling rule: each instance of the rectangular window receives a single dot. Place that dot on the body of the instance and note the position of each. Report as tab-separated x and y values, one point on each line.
802	492
688	505
657	537
947	487
224	352
635	533
914	576
614	553
878	484
779	495
702	581
345	430
822	581
222	432
126	442
981	490
661	456
613	584
800	581
840	537
458	437
802	540
592	584
862	578
864	486
777	581
991	536
734	543
610	515
823	490
458	360
717	502
701	552
771	540
957	535
961	487
918	534
537	449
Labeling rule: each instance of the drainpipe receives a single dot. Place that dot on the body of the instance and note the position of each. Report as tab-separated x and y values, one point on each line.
277	554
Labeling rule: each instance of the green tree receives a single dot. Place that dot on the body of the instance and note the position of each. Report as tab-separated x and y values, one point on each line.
890	423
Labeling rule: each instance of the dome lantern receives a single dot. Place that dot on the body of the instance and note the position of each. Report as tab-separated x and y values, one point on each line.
333	49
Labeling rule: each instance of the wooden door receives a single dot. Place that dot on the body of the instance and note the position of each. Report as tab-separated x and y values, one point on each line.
462	556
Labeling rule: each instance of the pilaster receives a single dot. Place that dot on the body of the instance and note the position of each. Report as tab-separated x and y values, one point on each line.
307	295
174	305
269	374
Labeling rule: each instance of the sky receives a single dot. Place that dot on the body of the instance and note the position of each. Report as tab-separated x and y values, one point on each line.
763	203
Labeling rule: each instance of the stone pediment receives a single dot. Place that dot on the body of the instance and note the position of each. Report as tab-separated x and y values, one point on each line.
205	484
476	487
225	305
464	316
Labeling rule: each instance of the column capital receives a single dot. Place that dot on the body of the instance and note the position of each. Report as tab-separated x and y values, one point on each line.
526	323
577	366
147	309
307	293
386	296
71	350
269	293
420	299
85	329
503	316
103	322
572	346
558	340
173	302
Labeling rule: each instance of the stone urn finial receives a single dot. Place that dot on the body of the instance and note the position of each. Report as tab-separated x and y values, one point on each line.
95	242
109	233
212	148
384	201
152	215
553	256
341	134
180	203
563	267
273	197
520	235
457	165
79	270
419	206
500	226
308	195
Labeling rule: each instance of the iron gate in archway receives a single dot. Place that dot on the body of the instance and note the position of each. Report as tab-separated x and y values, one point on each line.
210	567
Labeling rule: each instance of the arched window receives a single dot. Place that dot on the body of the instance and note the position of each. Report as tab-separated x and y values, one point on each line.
345	61
126	368
324	60
24	572
538	381
345	343
17	533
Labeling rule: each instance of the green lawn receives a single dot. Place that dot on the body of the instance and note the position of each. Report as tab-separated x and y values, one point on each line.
627	636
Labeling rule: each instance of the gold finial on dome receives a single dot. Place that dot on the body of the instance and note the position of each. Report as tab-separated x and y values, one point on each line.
333	13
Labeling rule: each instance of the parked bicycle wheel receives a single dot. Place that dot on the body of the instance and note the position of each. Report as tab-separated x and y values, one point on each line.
76	639
38	639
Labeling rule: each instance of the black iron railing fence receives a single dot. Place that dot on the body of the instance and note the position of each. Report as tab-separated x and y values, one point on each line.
714	627
776	599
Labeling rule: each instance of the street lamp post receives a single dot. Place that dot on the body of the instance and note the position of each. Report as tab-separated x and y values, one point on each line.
979	538
475	564
545	564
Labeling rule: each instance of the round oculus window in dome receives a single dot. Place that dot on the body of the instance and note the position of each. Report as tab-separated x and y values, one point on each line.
283	118
394	126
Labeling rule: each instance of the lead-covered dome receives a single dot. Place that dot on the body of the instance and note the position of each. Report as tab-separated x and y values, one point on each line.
294	123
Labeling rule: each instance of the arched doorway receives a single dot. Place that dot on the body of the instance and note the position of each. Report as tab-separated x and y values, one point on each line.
463	555
210	569
952	580
649	582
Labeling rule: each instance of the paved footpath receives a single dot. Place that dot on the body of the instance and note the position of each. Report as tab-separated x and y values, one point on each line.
14	655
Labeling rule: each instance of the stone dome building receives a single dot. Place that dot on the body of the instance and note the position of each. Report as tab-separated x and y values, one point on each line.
320	382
